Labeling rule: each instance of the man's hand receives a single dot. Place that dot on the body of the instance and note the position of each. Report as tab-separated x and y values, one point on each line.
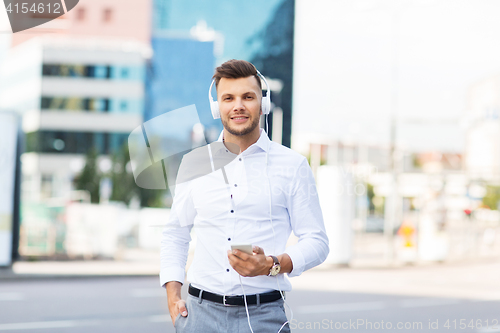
250	265
176	305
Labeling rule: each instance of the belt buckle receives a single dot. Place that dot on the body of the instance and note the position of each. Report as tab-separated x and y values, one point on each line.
224	301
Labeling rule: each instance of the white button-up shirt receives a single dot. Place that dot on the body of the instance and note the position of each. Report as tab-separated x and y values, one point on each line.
236	210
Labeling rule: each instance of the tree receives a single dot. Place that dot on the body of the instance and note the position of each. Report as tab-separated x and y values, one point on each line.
123	184
124	187
89	179
492	197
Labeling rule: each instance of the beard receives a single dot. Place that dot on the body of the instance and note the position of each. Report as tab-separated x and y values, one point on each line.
245	130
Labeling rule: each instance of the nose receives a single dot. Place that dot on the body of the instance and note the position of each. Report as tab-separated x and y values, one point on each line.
238	104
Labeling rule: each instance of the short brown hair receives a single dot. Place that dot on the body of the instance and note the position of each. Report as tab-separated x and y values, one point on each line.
235	69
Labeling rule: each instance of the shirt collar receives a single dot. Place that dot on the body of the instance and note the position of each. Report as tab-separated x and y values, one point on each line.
263	142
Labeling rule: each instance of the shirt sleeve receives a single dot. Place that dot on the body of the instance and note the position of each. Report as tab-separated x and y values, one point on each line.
176	237
307	223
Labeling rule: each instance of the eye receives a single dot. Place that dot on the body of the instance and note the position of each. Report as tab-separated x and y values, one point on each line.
227	98
249	97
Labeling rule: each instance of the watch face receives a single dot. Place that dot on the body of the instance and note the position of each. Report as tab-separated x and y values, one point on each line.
275	270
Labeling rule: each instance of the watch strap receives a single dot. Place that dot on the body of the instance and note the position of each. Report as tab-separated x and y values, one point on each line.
276	262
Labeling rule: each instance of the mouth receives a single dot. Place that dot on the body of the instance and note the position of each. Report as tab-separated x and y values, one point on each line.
239	119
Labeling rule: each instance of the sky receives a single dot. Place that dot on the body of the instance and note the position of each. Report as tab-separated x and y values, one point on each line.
345	51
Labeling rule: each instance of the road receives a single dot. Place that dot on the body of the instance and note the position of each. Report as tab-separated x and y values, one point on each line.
138	304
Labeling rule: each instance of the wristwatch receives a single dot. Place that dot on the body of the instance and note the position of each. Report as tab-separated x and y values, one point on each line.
275	269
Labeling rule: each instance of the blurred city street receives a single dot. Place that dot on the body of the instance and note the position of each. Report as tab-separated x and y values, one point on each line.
394	104
457	297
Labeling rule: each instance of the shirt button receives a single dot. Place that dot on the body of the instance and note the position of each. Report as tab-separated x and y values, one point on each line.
229	239
240	159
227	270
235	185
232	211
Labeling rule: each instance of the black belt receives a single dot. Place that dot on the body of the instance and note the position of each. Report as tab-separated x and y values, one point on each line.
235	300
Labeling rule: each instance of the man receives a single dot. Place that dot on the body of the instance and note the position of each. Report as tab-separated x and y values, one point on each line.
264	193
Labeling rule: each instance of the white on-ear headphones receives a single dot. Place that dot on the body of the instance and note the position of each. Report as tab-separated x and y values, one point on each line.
265	105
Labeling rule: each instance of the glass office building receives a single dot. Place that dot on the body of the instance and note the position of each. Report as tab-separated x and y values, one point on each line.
259	31
179	75
73	95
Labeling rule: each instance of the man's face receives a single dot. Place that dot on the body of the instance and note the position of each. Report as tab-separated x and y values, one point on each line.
239	104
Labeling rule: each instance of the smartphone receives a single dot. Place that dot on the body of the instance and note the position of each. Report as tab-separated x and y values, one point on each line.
247	248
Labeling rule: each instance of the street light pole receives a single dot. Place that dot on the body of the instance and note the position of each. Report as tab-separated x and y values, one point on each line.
391	216
393	211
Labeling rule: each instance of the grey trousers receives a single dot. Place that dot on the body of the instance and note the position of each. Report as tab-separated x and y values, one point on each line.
210	317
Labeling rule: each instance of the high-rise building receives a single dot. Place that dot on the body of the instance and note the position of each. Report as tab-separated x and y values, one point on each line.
239	22
260	31
119	19
179	75
74	84
74	95
78	82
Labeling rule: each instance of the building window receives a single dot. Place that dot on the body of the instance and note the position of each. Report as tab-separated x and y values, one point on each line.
80	14
124	73
75	104
101	71
107	15
65	70
124	105
61	142
77	71
108	72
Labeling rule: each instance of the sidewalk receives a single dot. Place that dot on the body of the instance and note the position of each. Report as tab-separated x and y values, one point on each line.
132	263
473	280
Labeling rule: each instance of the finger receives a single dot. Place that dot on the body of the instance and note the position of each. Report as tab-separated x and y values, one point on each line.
232	258
241	255
258	250
235	262
182	308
